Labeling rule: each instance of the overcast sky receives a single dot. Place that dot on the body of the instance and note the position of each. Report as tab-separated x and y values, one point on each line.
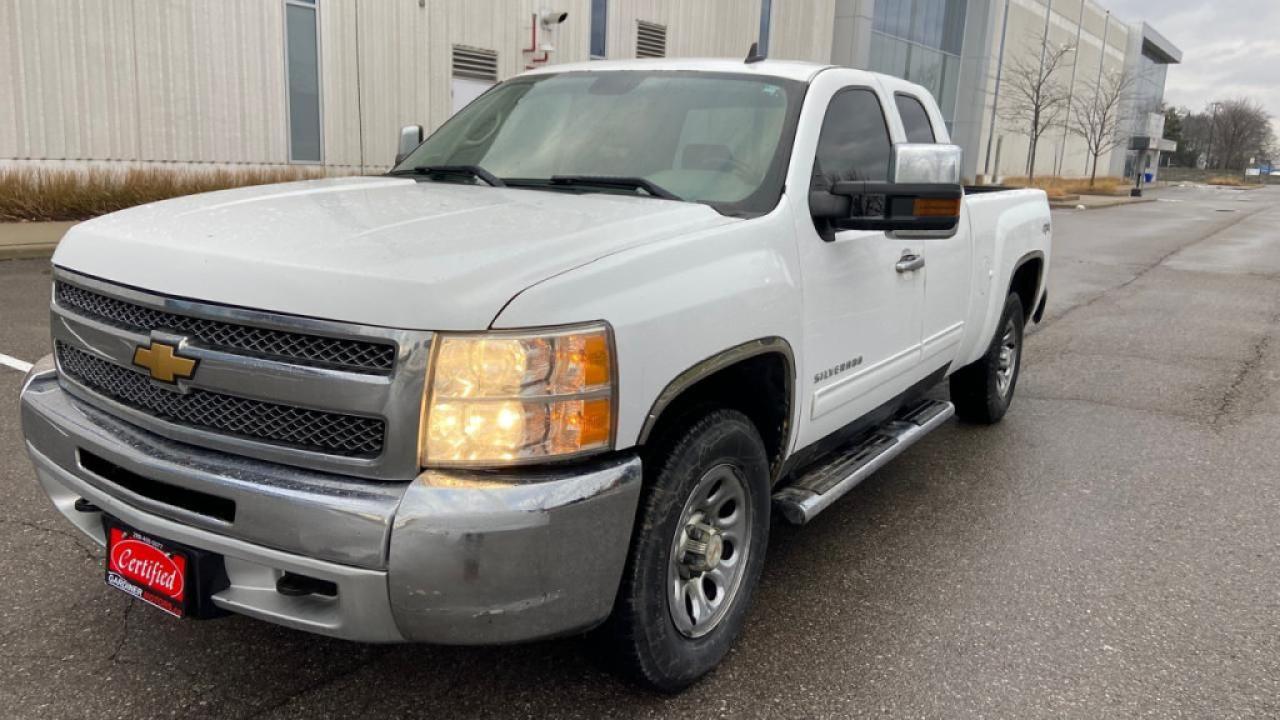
1230	48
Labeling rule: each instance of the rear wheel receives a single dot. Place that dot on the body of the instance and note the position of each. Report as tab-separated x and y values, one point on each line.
697	552
983	390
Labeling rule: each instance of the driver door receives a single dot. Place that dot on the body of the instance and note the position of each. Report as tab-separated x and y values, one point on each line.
863	291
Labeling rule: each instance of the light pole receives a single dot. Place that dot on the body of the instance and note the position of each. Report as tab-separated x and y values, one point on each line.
995	96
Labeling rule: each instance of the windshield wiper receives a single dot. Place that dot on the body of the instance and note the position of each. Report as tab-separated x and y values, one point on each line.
467	170
624	183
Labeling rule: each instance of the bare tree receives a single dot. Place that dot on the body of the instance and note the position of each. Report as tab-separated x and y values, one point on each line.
1036	97
1226	134
1242	130
1098	118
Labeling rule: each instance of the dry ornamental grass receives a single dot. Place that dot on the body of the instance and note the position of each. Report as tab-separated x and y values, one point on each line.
1057	187
41	195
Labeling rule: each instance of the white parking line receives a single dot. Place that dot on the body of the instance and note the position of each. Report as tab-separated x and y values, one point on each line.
15	363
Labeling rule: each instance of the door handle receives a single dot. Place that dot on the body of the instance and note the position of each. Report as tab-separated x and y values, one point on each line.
909	262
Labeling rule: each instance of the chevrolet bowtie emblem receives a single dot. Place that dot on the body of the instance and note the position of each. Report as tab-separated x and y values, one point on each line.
163	363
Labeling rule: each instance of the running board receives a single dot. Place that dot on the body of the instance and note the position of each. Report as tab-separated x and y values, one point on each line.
843	469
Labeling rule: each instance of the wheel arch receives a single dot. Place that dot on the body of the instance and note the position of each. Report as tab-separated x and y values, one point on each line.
768	359
1028	281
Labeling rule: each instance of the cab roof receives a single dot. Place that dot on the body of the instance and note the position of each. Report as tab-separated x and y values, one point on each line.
789	69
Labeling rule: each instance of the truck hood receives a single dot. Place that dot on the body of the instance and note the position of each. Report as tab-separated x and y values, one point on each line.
371	250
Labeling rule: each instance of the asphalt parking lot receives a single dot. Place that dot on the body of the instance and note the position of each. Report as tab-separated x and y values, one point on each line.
1111	550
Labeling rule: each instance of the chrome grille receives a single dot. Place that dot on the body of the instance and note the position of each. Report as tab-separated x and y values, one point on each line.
299	348
326	432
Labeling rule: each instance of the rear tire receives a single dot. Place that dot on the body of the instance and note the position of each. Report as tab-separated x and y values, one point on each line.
983	390
696	554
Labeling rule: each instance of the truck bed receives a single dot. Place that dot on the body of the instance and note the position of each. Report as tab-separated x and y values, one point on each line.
982	189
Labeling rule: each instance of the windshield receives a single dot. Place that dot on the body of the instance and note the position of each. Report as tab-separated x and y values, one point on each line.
719	139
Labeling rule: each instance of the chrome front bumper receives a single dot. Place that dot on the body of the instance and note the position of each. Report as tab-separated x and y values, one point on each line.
449	557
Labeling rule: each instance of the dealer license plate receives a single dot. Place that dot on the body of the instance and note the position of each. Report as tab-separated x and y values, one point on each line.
148	568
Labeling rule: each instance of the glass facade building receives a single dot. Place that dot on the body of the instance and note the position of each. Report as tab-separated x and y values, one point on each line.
1148	85
919	41
1147	61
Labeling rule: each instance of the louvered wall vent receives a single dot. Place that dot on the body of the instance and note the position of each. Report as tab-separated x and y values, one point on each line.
651	40
475	63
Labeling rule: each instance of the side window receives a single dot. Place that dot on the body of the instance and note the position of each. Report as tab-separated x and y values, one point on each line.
854	143
915	119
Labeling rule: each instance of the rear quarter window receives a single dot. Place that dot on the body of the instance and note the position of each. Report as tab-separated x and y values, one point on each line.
915	119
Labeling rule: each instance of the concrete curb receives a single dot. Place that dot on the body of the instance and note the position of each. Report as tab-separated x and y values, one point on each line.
27	252
1120	202
23	241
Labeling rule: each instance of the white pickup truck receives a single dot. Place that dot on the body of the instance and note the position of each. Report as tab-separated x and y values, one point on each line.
557	370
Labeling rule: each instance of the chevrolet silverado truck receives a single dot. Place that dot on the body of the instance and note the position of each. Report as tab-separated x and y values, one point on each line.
557	371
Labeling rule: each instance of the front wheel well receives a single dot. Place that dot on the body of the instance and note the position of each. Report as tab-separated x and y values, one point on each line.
759	386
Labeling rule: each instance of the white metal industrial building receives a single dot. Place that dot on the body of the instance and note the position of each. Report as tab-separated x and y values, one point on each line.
329	82
1103	44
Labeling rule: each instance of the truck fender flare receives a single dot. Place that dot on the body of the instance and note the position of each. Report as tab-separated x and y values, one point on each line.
1033	255
1040	280
709	366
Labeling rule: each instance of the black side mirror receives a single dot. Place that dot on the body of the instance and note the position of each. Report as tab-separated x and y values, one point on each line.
900	206
825	205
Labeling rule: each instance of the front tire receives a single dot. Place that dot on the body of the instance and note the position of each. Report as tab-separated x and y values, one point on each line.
697	552
983	390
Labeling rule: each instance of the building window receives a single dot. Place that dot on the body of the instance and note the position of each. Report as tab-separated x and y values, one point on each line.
651	40
766	10
937	24
302	62
599	28
920	41
474	71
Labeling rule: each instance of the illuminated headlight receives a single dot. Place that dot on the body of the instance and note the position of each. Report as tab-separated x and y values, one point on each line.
508	398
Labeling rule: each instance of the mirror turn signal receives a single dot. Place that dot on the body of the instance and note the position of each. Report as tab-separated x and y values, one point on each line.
899	206
937	207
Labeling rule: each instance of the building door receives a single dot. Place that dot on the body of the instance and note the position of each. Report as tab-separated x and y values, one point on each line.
474	71
465	90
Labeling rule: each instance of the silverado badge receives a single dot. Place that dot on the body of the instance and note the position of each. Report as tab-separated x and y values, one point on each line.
163	362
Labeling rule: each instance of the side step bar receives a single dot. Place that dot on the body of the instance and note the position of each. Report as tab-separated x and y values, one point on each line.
843	469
